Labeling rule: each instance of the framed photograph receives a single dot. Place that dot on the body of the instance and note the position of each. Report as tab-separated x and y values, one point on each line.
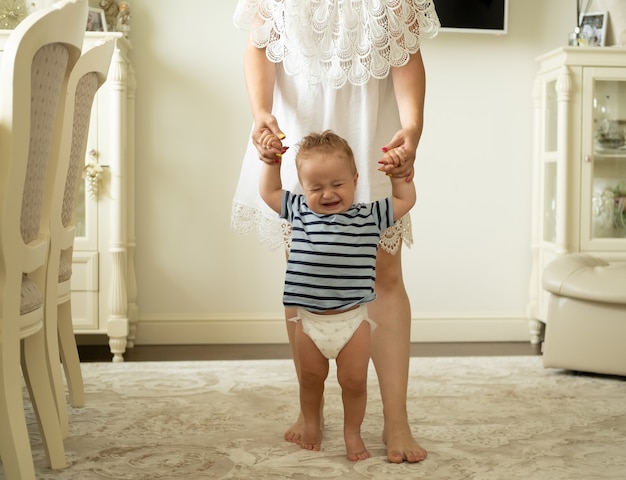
593	29
96	21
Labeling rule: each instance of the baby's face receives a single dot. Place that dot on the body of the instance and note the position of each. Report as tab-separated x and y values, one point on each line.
328	181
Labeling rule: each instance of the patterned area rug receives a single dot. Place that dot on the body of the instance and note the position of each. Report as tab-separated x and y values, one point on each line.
487	418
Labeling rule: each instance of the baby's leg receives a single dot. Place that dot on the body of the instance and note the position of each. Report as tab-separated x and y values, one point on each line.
294	432
352	363
313	373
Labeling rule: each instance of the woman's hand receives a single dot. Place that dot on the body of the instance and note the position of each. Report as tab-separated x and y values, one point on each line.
399	154
267	138
409	83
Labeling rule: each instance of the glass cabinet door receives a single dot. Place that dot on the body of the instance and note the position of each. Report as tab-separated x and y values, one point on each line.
549	169
86	209
603	211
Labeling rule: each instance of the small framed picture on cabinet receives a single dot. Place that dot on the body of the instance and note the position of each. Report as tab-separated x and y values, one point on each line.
593	29
96	21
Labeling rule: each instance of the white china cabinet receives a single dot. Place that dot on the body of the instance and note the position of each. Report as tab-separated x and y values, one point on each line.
103	275
104	298
579	165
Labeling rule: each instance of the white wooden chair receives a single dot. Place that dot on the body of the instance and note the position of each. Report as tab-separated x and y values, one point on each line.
88	75
38	58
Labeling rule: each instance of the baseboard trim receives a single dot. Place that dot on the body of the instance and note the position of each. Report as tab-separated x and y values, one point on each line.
155	330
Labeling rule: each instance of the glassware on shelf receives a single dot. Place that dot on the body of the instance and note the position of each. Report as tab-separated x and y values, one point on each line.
610	132
608	208
602	208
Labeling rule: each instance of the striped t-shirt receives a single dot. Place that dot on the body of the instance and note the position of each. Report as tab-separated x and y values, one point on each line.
332	262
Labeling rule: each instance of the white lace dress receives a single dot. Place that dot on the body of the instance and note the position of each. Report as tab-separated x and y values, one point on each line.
333	60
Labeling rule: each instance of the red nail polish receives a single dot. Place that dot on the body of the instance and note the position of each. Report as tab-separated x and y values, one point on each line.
385	149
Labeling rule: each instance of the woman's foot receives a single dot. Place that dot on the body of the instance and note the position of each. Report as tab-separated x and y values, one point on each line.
355	447
401	446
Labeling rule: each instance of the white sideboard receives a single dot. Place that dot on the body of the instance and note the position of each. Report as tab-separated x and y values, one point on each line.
579	164
104	293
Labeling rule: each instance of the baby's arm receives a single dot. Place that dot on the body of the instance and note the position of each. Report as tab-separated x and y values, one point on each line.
270	186
404	196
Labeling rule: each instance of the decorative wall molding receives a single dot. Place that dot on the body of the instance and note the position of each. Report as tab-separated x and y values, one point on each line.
187	330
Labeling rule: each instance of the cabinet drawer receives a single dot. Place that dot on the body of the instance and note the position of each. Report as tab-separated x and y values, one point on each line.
85	310
85	272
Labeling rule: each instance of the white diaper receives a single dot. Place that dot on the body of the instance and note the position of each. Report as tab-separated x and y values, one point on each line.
330	333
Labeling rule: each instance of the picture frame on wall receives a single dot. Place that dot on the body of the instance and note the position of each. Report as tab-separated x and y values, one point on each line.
96	20
593	29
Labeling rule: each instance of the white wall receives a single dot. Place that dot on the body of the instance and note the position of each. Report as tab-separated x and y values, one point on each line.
467	274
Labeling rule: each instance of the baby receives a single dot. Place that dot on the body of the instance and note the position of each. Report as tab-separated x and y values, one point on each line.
330	275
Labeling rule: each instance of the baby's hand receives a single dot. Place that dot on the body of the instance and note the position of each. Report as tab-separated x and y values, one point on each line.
279	156
270	146
394	166
399	153
386	168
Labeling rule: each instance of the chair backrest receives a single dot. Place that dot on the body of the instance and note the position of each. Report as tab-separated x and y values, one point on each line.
88	75
36	63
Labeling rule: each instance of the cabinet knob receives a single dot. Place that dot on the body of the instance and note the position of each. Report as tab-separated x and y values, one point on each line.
588	159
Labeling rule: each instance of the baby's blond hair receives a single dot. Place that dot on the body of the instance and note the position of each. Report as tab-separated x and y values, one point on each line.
326	142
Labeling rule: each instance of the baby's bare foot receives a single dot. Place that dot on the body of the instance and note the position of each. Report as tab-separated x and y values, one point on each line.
355	447
311	438
294	433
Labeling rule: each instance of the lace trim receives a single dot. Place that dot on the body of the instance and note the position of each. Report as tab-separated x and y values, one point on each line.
391	238
276	232
272	231
338	41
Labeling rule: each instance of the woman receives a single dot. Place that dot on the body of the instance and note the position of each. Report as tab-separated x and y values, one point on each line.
354	68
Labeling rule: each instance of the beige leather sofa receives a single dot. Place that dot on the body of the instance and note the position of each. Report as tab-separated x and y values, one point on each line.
586	320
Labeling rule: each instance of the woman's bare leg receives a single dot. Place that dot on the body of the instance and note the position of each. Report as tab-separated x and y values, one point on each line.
390	353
